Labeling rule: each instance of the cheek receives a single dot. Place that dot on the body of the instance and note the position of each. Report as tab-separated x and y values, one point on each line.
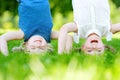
27	48
30	43
44	41
100	45
87	43
88	46
83	48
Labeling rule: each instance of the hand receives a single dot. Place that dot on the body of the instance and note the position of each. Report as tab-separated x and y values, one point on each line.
3	46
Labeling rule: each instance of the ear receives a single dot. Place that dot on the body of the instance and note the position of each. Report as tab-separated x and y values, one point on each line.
82	46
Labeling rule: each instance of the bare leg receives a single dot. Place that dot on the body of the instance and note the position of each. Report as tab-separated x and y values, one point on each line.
62	40
69	43
63	33
3	46
9	36
115	28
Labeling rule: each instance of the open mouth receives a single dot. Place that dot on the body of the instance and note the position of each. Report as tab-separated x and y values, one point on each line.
94	41
37	41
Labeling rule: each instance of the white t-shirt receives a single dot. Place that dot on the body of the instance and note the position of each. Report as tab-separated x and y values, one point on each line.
91	16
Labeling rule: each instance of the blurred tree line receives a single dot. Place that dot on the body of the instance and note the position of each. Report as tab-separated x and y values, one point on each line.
56	5
61	11
63	6
117	2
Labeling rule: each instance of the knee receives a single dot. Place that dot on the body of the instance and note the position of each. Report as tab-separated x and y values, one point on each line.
64	28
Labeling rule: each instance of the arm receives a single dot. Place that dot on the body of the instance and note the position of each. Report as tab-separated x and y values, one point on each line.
63	38
13	35
9	36
115	28
54	35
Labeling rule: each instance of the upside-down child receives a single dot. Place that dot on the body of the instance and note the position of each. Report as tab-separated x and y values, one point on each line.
91	21
35	24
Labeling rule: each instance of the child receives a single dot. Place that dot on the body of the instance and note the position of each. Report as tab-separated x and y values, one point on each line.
36	44
91	21
35	22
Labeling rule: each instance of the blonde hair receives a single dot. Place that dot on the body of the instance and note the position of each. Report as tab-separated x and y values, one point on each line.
108	48
23	47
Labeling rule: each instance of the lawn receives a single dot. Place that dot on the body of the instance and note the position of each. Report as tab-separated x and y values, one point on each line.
51	66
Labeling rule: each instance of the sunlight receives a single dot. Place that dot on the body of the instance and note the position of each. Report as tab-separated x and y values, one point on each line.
74	66
116	36
108	74
36	67
87	74
70	72
7	25
7	30
81	74
1	76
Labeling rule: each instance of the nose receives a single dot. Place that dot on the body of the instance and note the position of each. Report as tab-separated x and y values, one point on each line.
37	45
94	46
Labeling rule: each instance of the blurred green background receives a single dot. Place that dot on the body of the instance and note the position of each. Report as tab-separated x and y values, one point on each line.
75	66
61	12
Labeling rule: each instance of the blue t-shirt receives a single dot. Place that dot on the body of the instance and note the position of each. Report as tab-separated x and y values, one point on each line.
35	18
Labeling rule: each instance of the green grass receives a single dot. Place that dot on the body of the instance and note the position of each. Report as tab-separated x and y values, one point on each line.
51	66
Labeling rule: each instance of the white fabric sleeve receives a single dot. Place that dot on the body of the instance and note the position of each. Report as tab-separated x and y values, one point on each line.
76	38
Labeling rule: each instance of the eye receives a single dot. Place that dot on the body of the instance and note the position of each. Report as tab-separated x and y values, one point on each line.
89	51
99	50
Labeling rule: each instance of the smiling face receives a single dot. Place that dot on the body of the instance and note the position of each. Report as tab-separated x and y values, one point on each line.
93	45
36	44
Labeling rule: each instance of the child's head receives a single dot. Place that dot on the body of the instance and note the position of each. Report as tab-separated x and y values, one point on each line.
36	44
93	45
